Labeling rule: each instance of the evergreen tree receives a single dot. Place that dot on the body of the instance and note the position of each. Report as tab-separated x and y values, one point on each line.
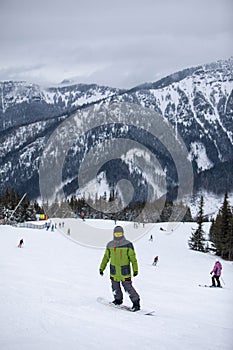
188	216
54	209
25	211
37	208
197	240
112	196
13	199
221	231
7	198
226	231
65	209
1	208
167	211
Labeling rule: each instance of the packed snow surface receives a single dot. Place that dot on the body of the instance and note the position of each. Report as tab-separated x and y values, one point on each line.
49	291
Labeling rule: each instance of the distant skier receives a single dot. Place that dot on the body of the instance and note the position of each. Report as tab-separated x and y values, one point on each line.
217	270
121	254
151	238
20	245
156	259
83	216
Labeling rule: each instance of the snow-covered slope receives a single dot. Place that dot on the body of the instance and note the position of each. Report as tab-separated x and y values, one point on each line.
49	288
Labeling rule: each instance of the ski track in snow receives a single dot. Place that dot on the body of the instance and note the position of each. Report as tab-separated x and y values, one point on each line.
49	291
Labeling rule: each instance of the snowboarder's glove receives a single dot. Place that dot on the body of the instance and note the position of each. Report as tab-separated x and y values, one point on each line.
135	273
101	273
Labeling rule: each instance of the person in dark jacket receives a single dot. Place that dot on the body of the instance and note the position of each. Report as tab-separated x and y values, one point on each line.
156	259
217	270
20	245
121	254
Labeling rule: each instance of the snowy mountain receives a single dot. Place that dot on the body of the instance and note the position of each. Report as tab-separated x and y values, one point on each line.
197	102
49	290
22	103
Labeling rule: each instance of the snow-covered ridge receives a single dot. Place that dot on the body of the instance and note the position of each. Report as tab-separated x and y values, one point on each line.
13	93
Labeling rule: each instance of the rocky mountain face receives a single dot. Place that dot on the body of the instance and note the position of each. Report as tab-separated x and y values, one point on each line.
197	103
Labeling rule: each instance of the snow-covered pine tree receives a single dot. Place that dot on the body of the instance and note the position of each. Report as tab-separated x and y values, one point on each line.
197	240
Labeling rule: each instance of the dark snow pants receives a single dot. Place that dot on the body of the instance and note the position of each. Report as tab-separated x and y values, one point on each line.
217	280
129	289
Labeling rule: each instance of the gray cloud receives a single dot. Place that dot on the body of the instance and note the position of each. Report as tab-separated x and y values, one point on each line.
120	44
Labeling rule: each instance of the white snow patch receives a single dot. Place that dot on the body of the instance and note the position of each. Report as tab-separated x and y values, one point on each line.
198	153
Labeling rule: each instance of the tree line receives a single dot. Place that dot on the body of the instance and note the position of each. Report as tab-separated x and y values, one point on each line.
101	207
220	240
16	208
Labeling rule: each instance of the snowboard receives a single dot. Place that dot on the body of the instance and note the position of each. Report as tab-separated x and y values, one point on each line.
124	307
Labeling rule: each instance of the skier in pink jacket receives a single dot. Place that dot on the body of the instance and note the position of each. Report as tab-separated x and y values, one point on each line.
216	274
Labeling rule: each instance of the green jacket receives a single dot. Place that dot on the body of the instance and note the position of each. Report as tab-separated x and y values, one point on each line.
120	253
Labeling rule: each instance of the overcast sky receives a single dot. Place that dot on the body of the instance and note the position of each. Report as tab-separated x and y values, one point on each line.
118	43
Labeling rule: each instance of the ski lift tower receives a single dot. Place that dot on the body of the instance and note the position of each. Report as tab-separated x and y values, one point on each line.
17	206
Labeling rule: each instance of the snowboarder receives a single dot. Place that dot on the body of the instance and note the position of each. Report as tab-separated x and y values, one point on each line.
121	254
156	259
216	274
20	245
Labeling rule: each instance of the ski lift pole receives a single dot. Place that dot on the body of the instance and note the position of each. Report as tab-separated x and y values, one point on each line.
18	205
